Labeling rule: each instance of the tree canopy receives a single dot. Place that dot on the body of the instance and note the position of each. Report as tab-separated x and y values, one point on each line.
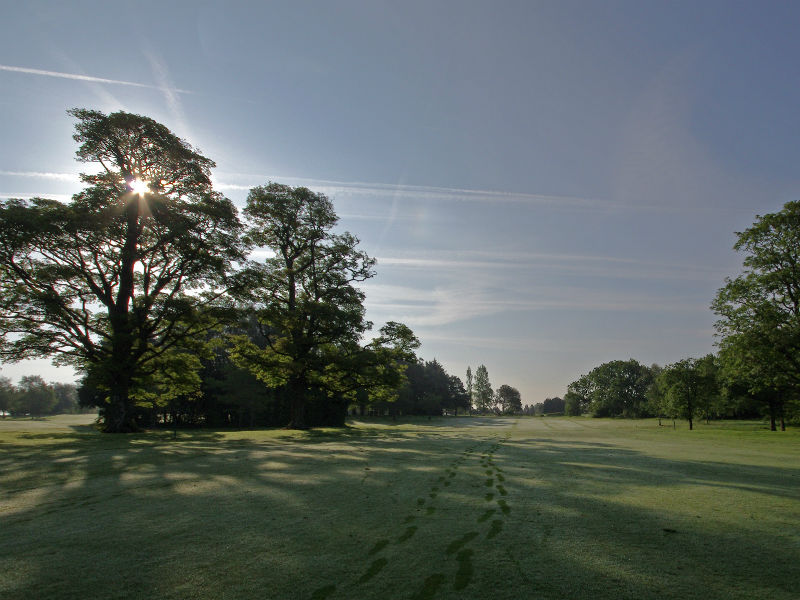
482	390
759	311
308	308
615	388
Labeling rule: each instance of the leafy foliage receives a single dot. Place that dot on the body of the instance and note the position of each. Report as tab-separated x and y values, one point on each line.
509	399
482	390
616	388
308	308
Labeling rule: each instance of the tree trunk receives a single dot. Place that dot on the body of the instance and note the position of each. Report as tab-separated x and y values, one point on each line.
690	423
297	401
119	415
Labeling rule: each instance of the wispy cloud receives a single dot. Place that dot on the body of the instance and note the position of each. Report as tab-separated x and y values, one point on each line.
171	93
398	191
86	78
332	187
451	303
69	177
593	265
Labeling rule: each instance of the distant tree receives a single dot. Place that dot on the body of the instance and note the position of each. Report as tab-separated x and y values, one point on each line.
509	399
619	388
572	404
579	396
66	397
131	269
7	394
458	396
469	386
759	311
437	388
657	400
687	388
482	390
553	406
681	382
35	396
710	401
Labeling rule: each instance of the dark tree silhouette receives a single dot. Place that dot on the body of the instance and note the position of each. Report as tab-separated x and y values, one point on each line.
128	274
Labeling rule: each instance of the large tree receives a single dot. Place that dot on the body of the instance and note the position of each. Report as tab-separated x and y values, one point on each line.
759	311
125	274
309	309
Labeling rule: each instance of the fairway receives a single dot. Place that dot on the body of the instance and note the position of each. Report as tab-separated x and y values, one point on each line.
419	509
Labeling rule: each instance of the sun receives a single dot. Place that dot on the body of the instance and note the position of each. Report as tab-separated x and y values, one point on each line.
137	186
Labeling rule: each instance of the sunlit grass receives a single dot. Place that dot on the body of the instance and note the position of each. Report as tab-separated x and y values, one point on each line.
441	508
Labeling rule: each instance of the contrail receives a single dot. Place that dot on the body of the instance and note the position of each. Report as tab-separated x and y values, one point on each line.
72	177
88	78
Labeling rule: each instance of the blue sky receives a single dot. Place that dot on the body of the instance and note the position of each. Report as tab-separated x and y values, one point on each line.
546	185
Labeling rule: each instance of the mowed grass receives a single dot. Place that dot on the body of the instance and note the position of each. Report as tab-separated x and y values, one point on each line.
418	509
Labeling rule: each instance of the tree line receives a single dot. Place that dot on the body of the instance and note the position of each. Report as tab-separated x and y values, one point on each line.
757	367
692	388
34	397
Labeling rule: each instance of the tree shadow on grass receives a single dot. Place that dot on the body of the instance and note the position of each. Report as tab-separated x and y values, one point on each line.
206	517
585	522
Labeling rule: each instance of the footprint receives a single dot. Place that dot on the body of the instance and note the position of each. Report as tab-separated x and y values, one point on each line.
430	510
323	592
497	527
379	545
420	501
502	490
489	471
489	482
500	477
464	573
456	545
432	495
373	570
485	516
430	587
503	506
489	497
409	533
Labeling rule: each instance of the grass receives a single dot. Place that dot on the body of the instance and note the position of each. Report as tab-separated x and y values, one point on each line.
447	508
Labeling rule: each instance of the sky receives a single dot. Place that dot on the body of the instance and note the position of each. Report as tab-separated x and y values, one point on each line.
546	186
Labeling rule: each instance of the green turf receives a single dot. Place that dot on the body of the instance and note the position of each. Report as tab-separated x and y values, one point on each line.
447	508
